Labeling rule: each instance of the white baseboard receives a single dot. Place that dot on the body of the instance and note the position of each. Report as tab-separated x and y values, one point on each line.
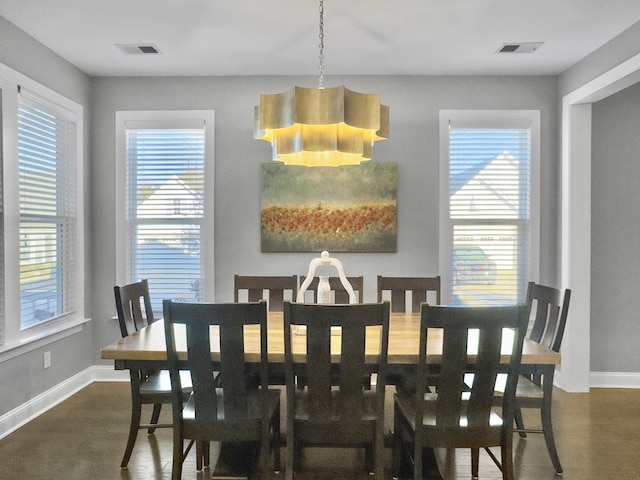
106	373
614	380
26	412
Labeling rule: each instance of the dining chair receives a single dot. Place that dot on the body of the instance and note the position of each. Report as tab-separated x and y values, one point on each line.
234	410
334	409
419	287
133	306
277	287
460	413
549	308
340	294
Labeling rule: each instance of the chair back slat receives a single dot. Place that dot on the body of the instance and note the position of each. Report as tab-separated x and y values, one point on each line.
274	286
133	306
419	287
550	309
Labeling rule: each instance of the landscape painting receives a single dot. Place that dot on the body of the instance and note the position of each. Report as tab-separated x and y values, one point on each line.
338	209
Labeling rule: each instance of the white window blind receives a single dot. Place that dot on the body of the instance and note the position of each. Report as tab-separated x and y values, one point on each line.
48	212
489	210
165	209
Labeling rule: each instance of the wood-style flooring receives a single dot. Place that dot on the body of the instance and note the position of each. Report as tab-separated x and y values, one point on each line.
597	434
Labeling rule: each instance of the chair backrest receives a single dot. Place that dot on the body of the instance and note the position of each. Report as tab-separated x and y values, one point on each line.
130	301
229	320
399	286
550	314
460	406
353	320
340	294
256	286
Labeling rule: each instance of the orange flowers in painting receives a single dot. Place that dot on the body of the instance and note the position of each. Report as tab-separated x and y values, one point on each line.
361	227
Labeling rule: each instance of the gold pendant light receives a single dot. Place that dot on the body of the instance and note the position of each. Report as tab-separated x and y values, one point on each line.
321	127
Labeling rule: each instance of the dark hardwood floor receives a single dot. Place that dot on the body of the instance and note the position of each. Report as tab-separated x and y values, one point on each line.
83	438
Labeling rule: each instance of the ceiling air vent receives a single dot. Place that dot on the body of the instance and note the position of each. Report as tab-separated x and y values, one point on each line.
527	47
131	49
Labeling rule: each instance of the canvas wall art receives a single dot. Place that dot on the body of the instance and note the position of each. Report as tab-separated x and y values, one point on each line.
343	209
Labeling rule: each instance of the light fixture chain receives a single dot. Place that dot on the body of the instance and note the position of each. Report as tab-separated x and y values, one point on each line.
321	35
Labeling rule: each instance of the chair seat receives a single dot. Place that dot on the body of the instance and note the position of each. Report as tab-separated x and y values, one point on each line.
525	389
407	406
248	423
159	381
368	406
253	406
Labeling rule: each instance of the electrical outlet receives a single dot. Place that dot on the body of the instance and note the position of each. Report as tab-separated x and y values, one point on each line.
47	359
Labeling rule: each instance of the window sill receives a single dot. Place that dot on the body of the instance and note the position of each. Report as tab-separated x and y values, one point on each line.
44	337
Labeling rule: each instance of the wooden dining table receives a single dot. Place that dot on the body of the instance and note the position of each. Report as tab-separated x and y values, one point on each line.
147	349
148	346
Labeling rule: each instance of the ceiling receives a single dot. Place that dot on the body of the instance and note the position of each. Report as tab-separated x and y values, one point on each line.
281	37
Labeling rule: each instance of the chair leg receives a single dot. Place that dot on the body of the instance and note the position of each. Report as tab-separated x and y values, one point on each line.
397	446
291	452
136	411
379	461
475	460
206	447
199	455
178	456
369	458
277	441
547	428
517	415
507	460
417	459
155	416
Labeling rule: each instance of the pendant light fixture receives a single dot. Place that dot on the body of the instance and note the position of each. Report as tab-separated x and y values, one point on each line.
321	127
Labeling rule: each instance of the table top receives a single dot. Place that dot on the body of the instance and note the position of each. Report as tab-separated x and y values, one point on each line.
149	343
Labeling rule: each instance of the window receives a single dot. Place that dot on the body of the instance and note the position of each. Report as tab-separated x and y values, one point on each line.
488	198
165	235
46	156
42	246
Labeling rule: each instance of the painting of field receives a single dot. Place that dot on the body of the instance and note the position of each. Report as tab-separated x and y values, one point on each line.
343	209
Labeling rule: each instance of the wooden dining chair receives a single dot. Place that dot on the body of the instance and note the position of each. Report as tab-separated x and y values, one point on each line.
133	306
334	409
340	294
460	413
419	287
277	288
234	410
549	308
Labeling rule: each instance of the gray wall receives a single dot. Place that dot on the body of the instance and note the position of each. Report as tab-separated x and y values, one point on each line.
23	377
615	232
414	144
611	54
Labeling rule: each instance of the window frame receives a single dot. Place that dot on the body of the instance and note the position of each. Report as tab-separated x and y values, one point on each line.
497	119
165	119
17	341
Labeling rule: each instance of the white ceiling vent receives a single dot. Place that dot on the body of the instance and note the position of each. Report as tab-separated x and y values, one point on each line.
131	49
526	47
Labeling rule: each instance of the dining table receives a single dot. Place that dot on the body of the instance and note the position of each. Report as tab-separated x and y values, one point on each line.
147	349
